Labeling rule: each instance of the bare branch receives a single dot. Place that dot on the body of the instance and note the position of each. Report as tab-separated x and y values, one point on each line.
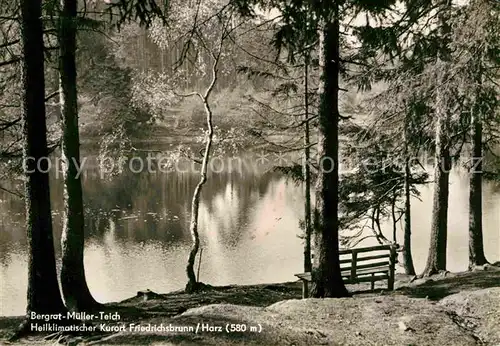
8	44
52	95
194	93
11	192
6	125
9	62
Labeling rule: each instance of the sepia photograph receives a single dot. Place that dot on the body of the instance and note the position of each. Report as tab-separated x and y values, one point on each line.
250	172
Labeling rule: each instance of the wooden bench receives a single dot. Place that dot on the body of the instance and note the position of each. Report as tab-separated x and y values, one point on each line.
366	264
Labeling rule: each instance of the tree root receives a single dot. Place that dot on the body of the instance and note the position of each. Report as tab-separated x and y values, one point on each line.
21	331
479	267
196	287
24	330
58	337
322	292
433	272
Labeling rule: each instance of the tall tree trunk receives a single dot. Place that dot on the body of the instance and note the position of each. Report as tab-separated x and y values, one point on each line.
326	274
436	260
476	250
74	286
43	290
307	172
407	257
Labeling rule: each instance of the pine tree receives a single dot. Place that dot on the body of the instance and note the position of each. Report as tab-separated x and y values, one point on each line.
422	67
74	285
329	17
475	56
43	289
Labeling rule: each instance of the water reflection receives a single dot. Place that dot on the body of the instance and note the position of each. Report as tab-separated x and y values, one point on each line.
137	232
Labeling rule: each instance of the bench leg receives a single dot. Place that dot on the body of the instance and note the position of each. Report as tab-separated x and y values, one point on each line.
305	289
373	282
392	268
390	284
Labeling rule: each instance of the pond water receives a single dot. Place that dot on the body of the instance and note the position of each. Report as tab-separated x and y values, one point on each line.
138	238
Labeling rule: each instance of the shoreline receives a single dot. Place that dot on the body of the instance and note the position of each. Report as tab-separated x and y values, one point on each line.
290	290
145	317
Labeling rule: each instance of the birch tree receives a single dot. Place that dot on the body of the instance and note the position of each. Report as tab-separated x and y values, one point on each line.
193	284
204	31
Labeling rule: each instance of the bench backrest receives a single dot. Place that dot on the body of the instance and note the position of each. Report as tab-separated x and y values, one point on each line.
353	260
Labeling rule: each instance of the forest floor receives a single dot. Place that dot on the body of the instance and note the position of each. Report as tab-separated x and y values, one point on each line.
447	309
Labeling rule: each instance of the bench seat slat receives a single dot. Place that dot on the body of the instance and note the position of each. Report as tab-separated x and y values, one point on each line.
347	274
367	271
368	279
304	276
369	265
